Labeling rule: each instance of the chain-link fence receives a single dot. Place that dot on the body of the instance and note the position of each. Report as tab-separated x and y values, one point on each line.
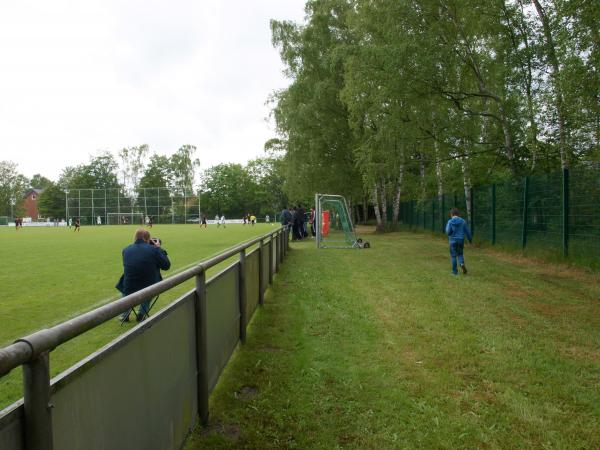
114	206
553	214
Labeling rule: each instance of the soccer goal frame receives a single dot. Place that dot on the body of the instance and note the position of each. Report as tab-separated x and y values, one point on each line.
119	218
334	223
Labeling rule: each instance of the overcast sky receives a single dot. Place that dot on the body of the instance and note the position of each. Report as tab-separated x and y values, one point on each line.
79	77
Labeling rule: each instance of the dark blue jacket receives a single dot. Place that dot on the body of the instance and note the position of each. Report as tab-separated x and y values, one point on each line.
142	263
286	217
457	229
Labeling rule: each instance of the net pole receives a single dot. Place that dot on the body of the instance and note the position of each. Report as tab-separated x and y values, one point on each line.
318	215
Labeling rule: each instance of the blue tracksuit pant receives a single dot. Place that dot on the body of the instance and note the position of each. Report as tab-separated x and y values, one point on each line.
456	252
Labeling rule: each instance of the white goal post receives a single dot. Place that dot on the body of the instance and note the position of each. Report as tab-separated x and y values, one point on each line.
124	219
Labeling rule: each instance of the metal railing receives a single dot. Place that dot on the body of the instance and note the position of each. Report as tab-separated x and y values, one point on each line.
200	321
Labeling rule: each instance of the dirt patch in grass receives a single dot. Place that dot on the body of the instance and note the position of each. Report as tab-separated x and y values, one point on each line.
271	349
246	393
230	431
553	310
581	353
539	266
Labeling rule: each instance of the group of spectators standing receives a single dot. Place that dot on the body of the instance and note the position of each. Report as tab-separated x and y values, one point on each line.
298	220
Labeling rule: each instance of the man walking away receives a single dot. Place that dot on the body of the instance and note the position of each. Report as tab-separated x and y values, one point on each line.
457	229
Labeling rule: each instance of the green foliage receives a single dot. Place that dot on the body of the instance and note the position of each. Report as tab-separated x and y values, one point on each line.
12	188
99	173
51	202
409	98
235	190
40	182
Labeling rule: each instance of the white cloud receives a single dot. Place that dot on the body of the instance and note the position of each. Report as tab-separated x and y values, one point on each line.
79	77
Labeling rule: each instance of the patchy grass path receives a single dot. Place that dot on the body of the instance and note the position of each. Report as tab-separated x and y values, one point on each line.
385	348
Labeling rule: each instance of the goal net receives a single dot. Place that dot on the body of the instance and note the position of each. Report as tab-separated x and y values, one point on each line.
334	224
123	219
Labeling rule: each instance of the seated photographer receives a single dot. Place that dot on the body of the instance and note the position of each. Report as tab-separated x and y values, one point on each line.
142	262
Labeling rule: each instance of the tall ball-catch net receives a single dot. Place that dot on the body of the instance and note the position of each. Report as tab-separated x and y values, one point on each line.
125	219
334	224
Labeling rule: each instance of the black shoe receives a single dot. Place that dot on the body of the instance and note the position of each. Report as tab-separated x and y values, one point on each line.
464	268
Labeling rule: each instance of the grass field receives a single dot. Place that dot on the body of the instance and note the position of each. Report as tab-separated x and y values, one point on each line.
384	348
50	274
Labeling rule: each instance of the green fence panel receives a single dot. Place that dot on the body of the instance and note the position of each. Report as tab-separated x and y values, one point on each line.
144	380
584	214
223	328
11	427
544	212
252	288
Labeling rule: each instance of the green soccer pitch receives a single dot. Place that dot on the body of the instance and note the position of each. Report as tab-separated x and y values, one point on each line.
51	274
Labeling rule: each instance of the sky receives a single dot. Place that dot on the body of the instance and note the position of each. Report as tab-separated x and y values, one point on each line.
81	77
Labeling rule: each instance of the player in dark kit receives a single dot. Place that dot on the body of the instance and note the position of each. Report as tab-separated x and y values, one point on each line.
77	224
203	222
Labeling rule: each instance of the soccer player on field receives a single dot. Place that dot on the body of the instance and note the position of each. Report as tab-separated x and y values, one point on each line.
77	224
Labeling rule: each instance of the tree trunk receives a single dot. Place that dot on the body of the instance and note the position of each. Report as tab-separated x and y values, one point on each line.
467	186
383	205
365	209
565	155
397	197
380	226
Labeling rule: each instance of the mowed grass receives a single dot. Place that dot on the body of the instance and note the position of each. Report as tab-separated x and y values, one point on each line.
48	275
385	349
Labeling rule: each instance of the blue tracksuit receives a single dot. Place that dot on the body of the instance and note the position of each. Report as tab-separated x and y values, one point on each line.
457	229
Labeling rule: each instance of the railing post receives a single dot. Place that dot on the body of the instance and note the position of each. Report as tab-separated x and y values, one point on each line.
201	348
282	247
565	211
279	249
284	244
493	227
242	278
38	415
525	212
261	277
271	267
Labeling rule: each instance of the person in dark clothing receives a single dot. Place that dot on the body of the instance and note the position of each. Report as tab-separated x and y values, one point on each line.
457	229
302	222
77	224
142	263
296	224
286	217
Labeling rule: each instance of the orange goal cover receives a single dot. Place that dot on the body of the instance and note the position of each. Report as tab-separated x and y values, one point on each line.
325	217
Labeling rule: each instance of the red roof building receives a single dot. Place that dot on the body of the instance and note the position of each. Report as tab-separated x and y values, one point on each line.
30	203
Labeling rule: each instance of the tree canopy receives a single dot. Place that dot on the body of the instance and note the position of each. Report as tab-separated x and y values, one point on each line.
408	98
